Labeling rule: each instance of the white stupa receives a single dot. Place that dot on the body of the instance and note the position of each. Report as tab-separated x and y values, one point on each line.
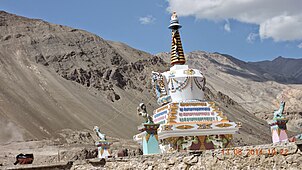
187	121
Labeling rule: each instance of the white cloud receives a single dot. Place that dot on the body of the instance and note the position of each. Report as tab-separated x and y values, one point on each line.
227	26
282	28
280	20
147	19
251	37
300	45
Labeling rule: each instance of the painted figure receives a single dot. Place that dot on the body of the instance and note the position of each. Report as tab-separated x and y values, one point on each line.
159	86
142	111
217	141
99	134
103	145
158	83
185	143
279	113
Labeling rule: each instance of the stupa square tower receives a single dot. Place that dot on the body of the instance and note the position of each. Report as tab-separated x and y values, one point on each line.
187	121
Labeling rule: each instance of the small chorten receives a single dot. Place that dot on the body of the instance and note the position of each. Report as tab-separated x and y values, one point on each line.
148	129
278	125
103	144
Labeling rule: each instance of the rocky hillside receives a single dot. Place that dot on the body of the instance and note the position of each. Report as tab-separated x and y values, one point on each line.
56	77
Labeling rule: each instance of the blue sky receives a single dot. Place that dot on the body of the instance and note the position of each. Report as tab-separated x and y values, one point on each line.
234	28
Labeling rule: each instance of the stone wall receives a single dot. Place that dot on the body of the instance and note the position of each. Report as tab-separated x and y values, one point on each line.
272	156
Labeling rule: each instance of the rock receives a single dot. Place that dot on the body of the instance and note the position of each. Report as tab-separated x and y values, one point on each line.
121	80
122	153
112	96
290	159
190	160
182	166
78	154
75	137
150	163
163	166
139	151
172	161
262	159
118	60
40	59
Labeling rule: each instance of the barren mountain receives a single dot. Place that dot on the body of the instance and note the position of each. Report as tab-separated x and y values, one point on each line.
283	70
55	77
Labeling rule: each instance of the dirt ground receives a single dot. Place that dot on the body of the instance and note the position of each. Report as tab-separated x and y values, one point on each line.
73	147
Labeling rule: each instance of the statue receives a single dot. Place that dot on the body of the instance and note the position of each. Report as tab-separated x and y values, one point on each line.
279	113
103	145
99	134
142	111
174	16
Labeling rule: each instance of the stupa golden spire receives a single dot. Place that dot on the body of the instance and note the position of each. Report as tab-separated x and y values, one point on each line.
177	54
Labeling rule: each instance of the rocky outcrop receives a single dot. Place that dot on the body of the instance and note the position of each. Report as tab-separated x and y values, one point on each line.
76	55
